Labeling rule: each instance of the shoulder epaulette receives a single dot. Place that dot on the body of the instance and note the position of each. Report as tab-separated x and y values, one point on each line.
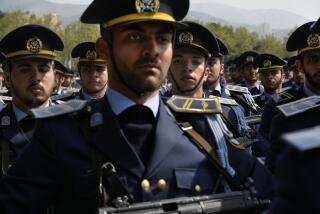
3	91
304	140
60	109
299	106
6	98
194	105
237	88
225	101
286	96
62	96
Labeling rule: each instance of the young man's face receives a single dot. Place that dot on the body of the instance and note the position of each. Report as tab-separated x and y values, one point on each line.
68	81
250	73
94	77
271	80
31	81
142	53
187	68
310	63
215	70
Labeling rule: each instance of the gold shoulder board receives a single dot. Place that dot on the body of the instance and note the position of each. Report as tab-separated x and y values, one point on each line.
194	105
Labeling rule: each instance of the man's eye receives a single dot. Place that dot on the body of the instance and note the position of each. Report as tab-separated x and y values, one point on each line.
165	39
177	60
44	69
196	62
135	37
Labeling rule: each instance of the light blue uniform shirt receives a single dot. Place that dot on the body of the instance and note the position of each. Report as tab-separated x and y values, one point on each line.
119	102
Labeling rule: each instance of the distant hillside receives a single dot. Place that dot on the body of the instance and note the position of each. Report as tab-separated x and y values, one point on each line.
261	21
277	19
67	12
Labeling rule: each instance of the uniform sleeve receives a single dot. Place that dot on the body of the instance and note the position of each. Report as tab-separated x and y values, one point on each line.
30	184
297	186
278	127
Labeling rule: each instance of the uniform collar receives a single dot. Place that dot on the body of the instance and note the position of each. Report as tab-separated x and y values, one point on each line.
21	115
18	113
218	88
86	96
119	102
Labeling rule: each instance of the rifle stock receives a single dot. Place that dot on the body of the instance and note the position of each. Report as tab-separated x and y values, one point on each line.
236	201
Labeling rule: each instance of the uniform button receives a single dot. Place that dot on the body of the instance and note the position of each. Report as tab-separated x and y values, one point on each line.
161	184
197	188
145	184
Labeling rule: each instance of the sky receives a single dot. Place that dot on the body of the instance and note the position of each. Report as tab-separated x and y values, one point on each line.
307	8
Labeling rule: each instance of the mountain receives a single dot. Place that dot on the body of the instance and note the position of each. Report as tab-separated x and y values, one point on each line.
67	12
263	22
276	18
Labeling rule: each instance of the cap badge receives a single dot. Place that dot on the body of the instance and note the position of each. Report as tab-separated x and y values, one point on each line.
267	63
91	54
313	40
186	37
147	7
34	45
249	59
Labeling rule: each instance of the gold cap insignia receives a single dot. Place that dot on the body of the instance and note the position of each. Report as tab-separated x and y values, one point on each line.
267	63
147	7
249	59
34	45
186	37
91	54
313	40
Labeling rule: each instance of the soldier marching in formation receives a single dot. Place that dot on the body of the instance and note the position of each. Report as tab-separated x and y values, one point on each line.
125	138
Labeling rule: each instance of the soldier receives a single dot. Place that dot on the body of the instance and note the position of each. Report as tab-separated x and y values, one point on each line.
236	76
270	72
60	70
129	127
29	72
298	173
249	72
297	79
193	47
93	71
231	110
69	81
302	112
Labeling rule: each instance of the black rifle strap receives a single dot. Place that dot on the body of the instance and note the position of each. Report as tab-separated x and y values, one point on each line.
243	102
5	155
208	150
230	125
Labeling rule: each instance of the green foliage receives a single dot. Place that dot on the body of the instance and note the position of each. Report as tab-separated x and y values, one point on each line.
240	39
71	34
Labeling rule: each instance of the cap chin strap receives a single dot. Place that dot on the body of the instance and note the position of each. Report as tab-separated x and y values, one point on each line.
197	86
115	67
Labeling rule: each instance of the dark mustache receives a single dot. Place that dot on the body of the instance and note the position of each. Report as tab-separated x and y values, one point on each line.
34	85
147	60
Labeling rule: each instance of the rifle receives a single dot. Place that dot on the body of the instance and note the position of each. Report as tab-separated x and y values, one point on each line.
254	119
237	201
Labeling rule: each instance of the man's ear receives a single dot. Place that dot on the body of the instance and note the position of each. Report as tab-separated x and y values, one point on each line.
7	79
102	48
222	69
299	65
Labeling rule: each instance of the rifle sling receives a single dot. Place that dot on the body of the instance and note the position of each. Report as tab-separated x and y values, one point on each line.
207	149
5	155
